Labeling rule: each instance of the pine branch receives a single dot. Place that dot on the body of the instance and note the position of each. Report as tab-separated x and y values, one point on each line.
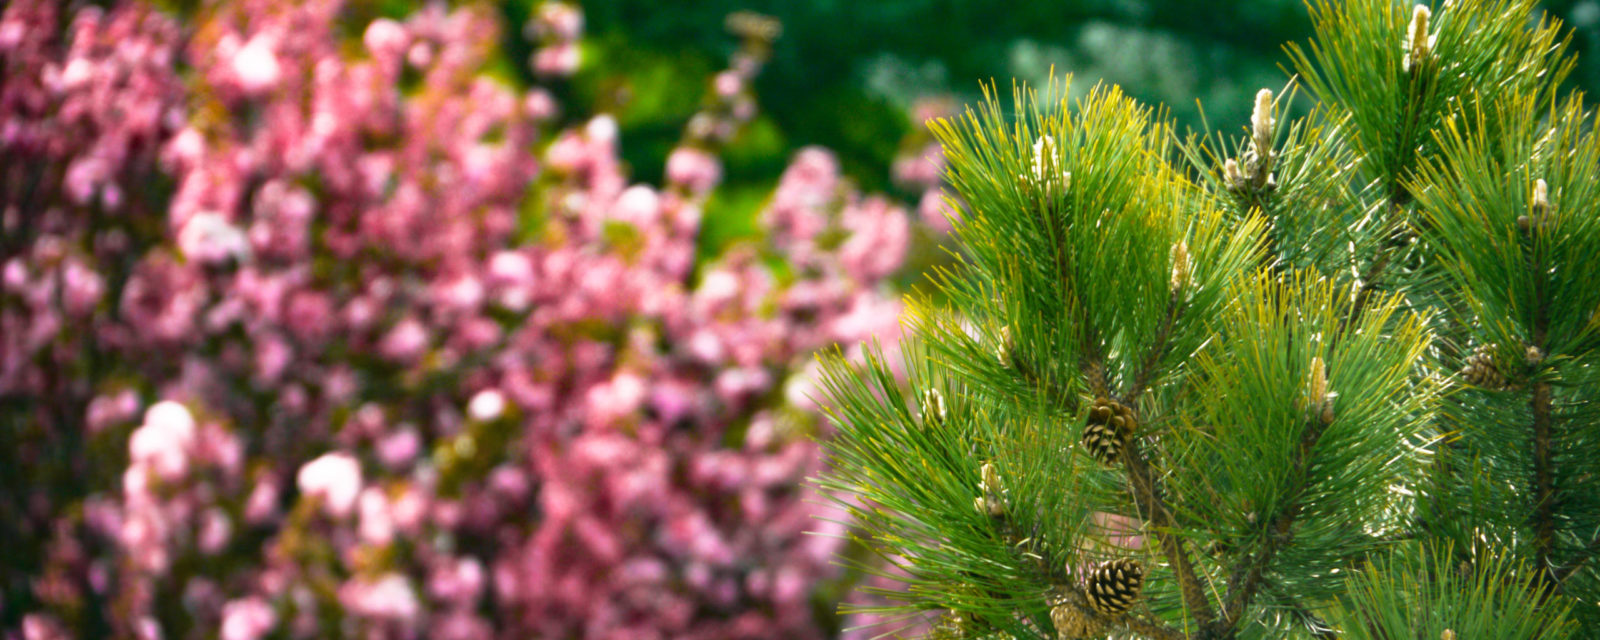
1544	523
1369	278
1318	627
1154	508
1147	497
1152	358
1245	581
1561	573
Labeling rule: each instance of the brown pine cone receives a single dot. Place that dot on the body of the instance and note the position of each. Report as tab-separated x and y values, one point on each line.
1115	586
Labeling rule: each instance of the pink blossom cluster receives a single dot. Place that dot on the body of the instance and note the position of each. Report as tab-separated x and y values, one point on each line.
920	165
555	28
85	103
332	338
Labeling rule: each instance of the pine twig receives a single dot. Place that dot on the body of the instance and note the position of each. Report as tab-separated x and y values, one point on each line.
1245	581
1369	278
1544	523
1155	510
1561	573
1544	517
1152	358
1319	628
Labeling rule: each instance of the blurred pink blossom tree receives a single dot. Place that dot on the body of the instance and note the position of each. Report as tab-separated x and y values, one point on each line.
310	336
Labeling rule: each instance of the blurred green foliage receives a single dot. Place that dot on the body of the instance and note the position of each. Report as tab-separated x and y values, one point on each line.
844	72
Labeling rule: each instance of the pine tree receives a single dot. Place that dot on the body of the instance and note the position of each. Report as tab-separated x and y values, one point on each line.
1329	378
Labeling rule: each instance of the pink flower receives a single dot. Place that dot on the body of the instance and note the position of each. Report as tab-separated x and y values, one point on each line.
539	105
209	237
558	20
309	315
408	510
262	505
487	405
272	358
386	39
728	84
186	148
459	624
255	67
458	582
400	447
335	478
560	59
406	302
247	619
81	287
107	410
161	300
619	397
924	169
39	626
935	211
215	529
602	129
879	237
389	597
377	523
77	73
165	441
693	168
638	206
405	341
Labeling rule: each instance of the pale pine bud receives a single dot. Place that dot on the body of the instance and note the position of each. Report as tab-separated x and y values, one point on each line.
1044	157
1538	208
1418	43
1319	379
933	409
990	502
1044	153
1231	174
1533	355
1318	392
1447	634
1262	124
991	479
1180	265
1002	351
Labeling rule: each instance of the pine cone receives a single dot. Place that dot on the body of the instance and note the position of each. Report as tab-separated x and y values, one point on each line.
1481	370
1103	442
1070	623
1110	412
1114	587
1109	424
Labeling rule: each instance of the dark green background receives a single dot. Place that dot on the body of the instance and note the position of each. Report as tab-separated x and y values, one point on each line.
844	71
